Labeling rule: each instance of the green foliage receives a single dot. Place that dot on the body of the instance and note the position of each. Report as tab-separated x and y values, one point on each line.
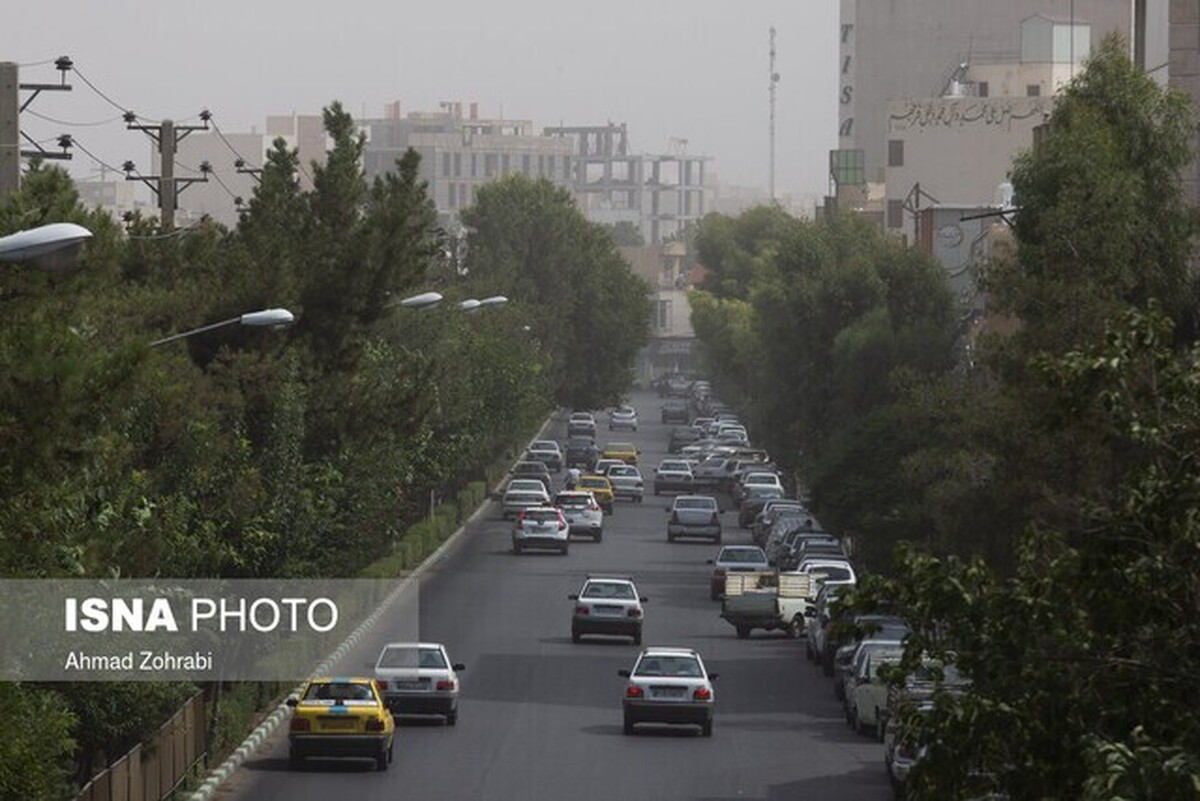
35	755
583	303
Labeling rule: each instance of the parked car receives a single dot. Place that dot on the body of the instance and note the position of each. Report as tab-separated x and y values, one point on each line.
609	605
866	692
364	728
694	516
581	452
675	411
582	512
673	475
418	678
734	559
626	482
581	424
547	452
601	489
668	685
541	527
623	418
773	510
530	469
753	497
845	640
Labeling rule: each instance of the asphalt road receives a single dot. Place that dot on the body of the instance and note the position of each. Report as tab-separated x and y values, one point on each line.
540	718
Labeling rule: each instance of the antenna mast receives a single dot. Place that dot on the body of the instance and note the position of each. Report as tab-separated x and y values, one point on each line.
771	89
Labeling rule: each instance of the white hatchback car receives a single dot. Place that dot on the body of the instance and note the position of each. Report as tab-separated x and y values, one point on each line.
418	678
541	527
584	515
669	685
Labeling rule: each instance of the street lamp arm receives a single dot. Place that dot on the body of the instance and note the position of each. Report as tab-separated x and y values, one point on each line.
265	317
195	331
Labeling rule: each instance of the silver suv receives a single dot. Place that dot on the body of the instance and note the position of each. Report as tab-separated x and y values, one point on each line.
669	685
607	605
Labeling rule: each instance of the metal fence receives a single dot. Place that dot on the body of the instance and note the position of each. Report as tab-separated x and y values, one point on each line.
153	771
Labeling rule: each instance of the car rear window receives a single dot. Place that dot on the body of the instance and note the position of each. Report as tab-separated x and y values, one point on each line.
409	657
675	666
339	692
596	483
742	555
542	515
572	500
695	503
831	573
675	467
608	589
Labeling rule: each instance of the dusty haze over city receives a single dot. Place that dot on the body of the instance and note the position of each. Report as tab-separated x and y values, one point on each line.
694	71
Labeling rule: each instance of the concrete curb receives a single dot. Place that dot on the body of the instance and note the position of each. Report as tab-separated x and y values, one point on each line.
283	712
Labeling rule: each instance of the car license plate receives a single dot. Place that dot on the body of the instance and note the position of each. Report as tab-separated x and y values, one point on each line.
412	684
339	724
669	692
608	610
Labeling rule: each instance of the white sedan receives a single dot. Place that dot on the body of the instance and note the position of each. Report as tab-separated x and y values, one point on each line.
626	482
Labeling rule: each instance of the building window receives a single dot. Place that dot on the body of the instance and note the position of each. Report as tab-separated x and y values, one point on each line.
489	165
541	165
1033	90
504	164
566	170
895	152
895	214
664	315
452	195
550	166
458	165
474	165
846	167
525	164
445	164
981	88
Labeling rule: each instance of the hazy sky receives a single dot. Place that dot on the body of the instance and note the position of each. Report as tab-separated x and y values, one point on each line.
694	70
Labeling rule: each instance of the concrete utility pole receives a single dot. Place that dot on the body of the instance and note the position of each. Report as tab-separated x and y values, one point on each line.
165	185
774	81
10	122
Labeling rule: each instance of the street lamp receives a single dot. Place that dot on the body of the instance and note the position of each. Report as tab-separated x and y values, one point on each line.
422	301
473	305
274	318
52	246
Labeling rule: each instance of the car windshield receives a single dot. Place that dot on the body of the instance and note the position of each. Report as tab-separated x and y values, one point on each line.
541	516
695	503
608	589
742	555
338	692
410	657
596	483
674	666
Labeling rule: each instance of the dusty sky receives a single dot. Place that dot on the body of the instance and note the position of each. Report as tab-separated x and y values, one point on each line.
694	70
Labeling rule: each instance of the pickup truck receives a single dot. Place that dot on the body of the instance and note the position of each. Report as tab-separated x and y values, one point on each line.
767	600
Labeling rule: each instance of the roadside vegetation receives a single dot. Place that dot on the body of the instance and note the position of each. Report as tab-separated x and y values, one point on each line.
1026	497
257	453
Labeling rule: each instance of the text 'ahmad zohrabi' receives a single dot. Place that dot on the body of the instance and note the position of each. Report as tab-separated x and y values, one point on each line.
143	661
186	615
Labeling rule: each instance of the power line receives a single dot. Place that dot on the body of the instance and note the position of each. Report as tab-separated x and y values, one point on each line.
96	89
94	157
70	124
38	63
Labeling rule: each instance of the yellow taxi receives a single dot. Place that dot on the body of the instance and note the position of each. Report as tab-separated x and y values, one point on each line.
627	452
340	717
601	489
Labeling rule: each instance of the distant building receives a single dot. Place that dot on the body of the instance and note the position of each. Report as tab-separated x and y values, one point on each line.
671	334
115	196
661	194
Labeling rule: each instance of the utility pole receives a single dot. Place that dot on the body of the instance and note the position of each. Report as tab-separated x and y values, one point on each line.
10	123
771	89
167	135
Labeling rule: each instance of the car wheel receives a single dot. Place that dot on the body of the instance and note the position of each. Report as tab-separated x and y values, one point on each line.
517	548
860	726
796	629
839	690
743	632
827	665
564	549
628	729
713	595
880	728
452	717
391	747
637	638
575	636
670	537
295	761
706	728
808	650
598	535
717	539
656	492
381	761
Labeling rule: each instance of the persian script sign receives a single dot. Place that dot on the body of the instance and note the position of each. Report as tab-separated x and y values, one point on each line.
962	112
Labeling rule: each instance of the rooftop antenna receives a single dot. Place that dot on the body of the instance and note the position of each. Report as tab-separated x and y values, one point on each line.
771	89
